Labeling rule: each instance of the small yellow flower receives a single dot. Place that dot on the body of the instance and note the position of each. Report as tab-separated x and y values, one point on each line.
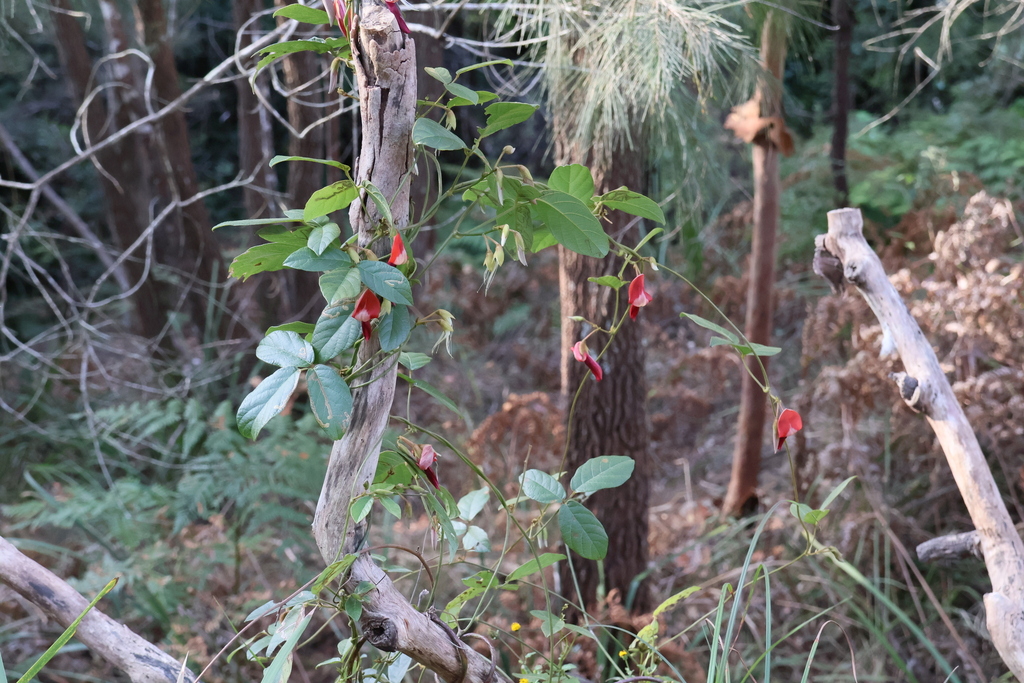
524	680
623	654
515	627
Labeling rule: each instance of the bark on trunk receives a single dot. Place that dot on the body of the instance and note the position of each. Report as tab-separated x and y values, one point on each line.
255	129
385	62
121	178
610	416
931	394
746	459
186	244
842	15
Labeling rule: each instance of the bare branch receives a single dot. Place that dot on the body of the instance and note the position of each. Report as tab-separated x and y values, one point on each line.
113	641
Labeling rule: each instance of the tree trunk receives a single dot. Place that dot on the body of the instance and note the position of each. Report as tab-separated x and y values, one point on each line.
255	129
117	160
746	460
842	15
187	244
610	416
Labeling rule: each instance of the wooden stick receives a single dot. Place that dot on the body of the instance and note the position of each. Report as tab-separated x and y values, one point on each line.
111	640
925	388
385	65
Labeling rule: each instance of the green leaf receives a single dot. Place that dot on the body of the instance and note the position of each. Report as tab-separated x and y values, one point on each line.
443	519
280	668
475	540
330	399
581	531
265	401
473	502
334	197
298	327
608	281
340	284
394	328
433	391
335	331
274	52
321	237
707	324
286	350
836	491
304	14
549	623
477	585
393	470
573	179
463	92
261	259
493	62
439	73
326	162
648	237
542	239
747	349
482	97
381	202
333	571
541	487
534	566
61	641
360	508
502	115
413	361
257	221
430	133
604	472
353	607
386	281
672	601
634	204
308	260
391	507
571	223
806	513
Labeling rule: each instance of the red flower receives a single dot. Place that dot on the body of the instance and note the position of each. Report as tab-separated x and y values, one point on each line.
638	296
428	456
579	350
367	309
788	424
393	6
337	11
398	253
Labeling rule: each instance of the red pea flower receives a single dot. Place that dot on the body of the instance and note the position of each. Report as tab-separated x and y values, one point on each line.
428	456
337	11
638	296
579	350
367	309
788	424
393	7
398	253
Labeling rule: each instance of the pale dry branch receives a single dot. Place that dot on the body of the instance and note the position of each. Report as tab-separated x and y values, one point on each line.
111	640
933	396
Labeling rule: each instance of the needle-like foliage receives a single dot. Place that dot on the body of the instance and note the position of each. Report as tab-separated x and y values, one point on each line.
616	69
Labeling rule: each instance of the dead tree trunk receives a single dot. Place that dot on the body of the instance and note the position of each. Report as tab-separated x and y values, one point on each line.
113	641
610	416
746	459
385	62
925	389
